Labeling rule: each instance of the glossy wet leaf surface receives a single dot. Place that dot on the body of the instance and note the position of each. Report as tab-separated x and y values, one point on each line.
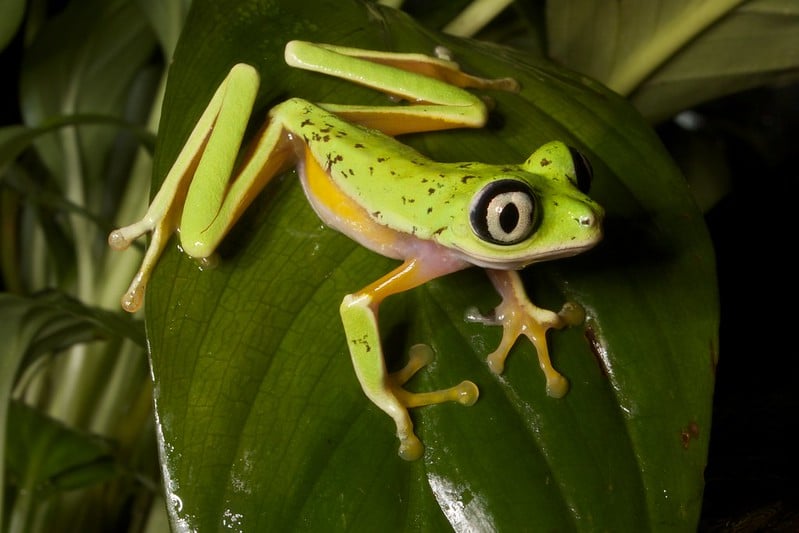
263	423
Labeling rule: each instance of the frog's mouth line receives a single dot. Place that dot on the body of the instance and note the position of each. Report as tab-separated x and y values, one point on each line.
509	263
524	262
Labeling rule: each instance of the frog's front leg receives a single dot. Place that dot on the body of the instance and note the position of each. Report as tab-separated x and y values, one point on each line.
359	316
519	316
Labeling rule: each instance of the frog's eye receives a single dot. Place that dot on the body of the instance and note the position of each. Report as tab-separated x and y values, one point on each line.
583	173
503	212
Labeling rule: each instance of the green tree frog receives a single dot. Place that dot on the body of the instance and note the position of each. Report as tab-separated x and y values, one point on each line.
437	218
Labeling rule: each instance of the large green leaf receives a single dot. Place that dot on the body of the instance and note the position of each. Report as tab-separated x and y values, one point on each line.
668	55
45	457
31	327
102	48
263	425
13	13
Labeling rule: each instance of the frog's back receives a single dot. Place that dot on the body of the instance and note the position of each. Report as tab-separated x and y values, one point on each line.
398	186
381	174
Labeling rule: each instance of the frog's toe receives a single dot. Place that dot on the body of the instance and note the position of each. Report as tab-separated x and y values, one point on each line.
572	314
466	393
496	360
557	385
121	238
419	356
390	395
133	299
411	448
118	241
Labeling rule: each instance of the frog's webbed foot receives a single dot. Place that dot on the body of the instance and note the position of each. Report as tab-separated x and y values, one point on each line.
419	356
519	316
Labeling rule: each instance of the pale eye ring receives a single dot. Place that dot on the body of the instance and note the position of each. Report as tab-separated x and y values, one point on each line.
503	212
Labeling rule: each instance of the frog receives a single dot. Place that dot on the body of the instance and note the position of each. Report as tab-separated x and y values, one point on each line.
436	218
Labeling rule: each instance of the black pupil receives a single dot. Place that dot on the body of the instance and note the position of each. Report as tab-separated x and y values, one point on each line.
509	217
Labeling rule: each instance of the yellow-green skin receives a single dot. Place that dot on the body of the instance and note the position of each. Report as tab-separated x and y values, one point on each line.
436	217
406	191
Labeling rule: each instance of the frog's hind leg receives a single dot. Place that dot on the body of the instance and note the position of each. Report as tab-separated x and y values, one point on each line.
202	177
359	316
440	67
434	87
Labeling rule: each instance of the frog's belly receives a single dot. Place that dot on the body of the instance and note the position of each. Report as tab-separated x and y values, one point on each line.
343	214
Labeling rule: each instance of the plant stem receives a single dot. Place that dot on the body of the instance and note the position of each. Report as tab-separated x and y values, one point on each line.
475	17
669	39
71	382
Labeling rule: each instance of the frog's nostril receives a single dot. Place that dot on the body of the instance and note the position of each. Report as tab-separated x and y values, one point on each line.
586	221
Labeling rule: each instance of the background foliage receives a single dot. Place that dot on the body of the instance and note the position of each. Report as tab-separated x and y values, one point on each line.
80	445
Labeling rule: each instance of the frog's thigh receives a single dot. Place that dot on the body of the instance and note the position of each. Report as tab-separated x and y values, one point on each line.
442	103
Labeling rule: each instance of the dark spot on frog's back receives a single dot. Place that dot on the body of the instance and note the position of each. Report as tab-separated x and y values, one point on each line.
545	162
430	191
358	145
332	160
468	177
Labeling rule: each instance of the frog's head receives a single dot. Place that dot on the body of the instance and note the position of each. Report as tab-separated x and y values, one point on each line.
540	212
